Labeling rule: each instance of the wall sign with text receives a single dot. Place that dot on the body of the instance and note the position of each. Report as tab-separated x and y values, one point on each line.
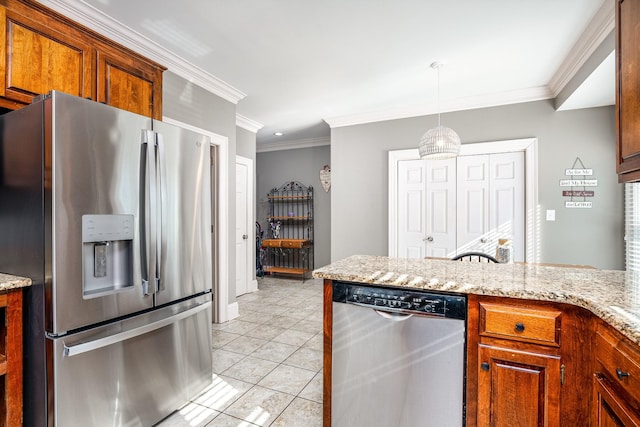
577	187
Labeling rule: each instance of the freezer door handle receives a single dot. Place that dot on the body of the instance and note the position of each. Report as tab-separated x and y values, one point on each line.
88	346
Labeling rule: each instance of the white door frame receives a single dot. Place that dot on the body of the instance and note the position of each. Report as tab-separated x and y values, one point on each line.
530	148
252	284
222	310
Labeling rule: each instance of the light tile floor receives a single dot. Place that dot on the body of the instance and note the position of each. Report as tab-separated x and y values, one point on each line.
267	363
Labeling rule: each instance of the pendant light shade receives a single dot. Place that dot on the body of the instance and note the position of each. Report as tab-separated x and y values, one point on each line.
439	142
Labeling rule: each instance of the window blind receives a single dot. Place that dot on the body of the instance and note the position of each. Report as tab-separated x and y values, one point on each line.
632	226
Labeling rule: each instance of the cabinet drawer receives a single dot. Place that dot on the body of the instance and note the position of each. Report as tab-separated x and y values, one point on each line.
539	326
618	362
271	243
294	243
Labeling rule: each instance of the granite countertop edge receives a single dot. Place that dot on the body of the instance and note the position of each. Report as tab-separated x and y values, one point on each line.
613	296
8	282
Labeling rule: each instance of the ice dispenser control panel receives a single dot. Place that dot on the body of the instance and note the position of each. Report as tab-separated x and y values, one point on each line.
101	228
107	248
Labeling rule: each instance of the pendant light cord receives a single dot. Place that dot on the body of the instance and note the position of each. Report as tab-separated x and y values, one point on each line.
438	102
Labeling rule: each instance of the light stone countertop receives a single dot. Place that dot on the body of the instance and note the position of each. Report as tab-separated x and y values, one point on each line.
612	295
12	282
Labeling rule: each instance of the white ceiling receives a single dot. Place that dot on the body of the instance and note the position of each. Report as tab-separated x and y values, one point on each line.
296	65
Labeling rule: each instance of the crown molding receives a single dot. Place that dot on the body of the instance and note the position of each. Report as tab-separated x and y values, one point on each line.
103	24
248	124
601	25
291	145
467	103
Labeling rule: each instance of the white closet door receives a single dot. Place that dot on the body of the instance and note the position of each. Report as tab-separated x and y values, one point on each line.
411	208
441	208
426	208
507	200
491	202
473	213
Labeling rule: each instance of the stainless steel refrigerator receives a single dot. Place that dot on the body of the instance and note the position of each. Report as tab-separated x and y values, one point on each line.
109	213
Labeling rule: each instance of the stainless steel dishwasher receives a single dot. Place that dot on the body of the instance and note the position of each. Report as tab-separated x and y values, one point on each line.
398	357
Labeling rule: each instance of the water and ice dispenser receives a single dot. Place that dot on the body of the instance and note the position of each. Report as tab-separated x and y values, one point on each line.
107	252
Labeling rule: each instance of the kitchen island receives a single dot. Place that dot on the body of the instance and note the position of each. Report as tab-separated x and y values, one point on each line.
580	333
11	349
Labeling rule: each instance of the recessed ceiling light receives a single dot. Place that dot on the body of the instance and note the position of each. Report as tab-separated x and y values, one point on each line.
278	133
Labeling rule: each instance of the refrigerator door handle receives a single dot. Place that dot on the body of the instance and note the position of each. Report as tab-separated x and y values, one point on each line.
162	179
148	205
76	349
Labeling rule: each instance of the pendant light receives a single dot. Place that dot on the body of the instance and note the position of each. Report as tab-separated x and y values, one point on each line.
439	142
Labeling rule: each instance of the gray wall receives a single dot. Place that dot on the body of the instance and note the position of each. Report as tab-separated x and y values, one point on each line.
246	144
359	160
192	104
275	168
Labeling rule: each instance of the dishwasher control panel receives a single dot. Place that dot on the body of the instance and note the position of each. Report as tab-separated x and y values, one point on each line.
401	300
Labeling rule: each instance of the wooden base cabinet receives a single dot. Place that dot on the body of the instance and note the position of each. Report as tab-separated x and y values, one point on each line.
526	363
518	388
610	410
616	379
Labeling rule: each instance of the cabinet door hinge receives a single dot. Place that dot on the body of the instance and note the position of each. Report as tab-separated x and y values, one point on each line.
562	374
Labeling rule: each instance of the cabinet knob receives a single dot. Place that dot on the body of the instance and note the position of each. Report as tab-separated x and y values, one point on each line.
428	239
519	327
484	366
621	374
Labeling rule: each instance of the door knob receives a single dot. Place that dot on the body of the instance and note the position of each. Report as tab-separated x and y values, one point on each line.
429	239
245	237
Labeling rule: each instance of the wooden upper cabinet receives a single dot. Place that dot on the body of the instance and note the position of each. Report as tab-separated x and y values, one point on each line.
628	90
39	57
130	85
41	50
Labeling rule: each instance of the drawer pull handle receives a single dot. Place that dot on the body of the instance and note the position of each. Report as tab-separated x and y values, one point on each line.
484	366
621	374
519	327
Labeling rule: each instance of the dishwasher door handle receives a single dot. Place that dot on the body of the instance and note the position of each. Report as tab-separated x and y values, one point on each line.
396	317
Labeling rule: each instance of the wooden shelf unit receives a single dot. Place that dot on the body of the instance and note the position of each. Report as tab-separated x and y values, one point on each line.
288	250
11	358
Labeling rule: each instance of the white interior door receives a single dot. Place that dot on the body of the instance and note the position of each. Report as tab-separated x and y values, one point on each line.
460	205
427	196
244	233
473	204
412	201
491	202
441	208
507	183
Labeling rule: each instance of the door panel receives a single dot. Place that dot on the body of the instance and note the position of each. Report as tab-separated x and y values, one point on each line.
110	384
441	206
185	261
411	220
508	203
95	157
241	234
390	372
473	207
518	388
